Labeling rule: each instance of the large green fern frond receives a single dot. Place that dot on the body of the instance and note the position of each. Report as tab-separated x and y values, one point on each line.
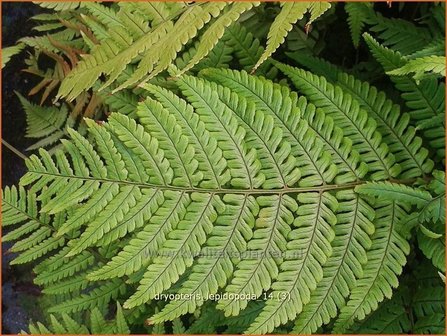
237	188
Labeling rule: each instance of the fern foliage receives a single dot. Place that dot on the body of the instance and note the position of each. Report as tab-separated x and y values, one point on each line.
256	211
64	324
172	190
156	27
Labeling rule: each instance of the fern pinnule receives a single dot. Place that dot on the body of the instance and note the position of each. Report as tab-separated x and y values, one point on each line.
178	252
266	249
395	126
147	241
434	247
358	16
165	49
9	52
245	167
98	297
207	152
47	123
391	317
64	324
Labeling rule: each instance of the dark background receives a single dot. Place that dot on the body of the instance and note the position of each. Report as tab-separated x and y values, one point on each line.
18	291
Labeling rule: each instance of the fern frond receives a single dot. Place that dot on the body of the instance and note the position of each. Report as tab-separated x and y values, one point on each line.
394	126
72	284
297	278
386	258
216	30
432	324
434	248
62	267
97	298
352	240
429	300
175	200
244	165
316	9
435	48
34	236
219	57
179	250
165	49
425	99
108	59
264	251
207	152
395	192
290	13
391	318
227	240
49	123
279	167
358	15
64	324
422	65
265	93
18	206
69	5
9	52
347	113
154	12
247	48
400	35
147	242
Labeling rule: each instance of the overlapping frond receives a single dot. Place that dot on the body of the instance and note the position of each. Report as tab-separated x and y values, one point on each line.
49	124
147	38
342	269
425	99
391	317
400	35
394	126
